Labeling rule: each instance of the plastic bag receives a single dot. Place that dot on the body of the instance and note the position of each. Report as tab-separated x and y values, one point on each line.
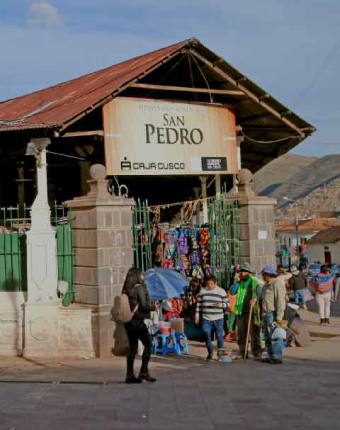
278	333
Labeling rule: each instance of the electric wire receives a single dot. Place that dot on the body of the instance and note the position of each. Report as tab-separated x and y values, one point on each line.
270	141
166	75
325	64
206	81
191	76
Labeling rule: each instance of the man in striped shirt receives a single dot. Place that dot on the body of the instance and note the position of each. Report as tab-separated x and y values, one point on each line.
212	302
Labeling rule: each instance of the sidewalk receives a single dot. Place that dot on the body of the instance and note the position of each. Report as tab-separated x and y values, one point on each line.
302	393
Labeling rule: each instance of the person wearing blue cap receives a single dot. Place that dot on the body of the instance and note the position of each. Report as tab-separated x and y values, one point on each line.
273	307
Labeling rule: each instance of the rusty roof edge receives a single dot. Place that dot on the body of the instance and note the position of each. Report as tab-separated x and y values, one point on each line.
125	86
186	41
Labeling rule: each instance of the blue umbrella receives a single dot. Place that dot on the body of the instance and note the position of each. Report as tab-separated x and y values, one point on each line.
164	284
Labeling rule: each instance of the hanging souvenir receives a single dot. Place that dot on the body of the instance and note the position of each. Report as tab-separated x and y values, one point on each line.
182	244
204	238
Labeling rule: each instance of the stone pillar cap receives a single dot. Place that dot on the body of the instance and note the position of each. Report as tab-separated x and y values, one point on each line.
98	172
245	176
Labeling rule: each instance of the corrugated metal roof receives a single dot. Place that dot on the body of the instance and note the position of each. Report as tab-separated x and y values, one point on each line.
331	235
305	226
57	105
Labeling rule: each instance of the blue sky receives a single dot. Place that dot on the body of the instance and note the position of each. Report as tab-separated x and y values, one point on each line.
281	44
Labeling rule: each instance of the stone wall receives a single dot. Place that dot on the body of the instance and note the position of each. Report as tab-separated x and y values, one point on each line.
102	239
257	227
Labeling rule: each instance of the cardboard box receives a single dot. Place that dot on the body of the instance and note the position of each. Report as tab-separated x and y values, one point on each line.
177	324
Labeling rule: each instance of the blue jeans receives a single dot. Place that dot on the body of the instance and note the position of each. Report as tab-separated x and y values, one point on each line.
300	294
274	347
208	326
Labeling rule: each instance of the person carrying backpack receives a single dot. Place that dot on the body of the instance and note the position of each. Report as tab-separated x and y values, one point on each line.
298	283
140	306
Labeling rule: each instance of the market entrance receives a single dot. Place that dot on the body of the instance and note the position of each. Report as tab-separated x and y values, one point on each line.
187	244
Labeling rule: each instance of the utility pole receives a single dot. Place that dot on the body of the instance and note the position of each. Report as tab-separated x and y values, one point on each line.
297	238
297	233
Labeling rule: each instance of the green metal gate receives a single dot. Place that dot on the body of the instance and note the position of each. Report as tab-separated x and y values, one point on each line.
224	237
142	236
65	253
13	274
14	224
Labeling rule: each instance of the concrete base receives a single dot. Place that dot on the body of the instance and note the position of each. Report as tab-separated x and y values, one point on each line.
75	338
11	323
41	330
51	331
10	334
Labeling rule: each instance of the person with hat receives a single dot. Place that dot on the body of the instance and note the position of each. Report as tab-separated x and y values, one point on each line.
273	301
248	294
298	283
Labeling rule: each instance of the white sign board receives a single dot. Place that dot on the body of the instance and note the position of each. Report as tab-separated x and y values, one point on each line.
152	137
263	235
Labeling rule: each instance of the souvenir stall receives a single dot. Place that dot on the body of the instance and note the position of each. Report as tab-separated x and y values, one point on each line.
185	247
196	238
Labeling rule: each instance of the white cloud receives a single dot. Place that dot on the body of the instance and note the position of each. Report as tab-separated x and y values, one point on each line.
43	14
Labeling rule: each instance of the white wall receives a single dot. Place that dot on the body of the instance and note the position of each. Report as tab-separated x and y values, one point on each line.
316	252
285	237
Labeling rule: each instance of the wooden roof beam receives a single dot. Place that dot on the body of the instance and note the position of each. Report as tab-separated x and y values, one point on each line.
82	133
251	118
257	99
187	89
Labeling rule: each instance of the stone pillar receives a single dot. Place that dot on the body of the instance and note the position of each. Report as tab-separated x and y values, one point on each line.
41	309
257	227
102	238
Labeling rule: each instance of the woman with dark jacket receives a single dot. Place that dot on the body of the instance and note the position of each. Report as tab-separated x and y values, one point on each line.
140	304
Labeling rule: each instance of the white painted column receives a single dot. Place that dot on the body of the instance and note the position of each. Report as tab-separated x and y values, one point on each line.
42	274
203	180
197	192
218	185
41	308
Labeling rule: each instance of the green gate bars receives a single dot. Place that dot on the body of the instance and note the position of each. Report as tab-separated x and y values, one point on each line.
65	253
142	236
224	238
14	224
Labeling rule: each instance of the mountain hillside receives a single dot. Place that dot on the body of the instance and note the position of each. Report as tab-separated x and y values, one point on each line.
297	177
268	179
319	173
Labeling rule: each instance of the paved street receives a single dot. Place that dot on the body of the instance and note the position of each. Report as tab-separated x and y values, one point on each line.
302	393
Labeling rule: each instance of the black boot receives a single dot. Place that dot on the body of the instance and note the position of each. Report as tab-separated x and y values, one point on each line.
210	355
322	320
146	377
131	379
326	321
